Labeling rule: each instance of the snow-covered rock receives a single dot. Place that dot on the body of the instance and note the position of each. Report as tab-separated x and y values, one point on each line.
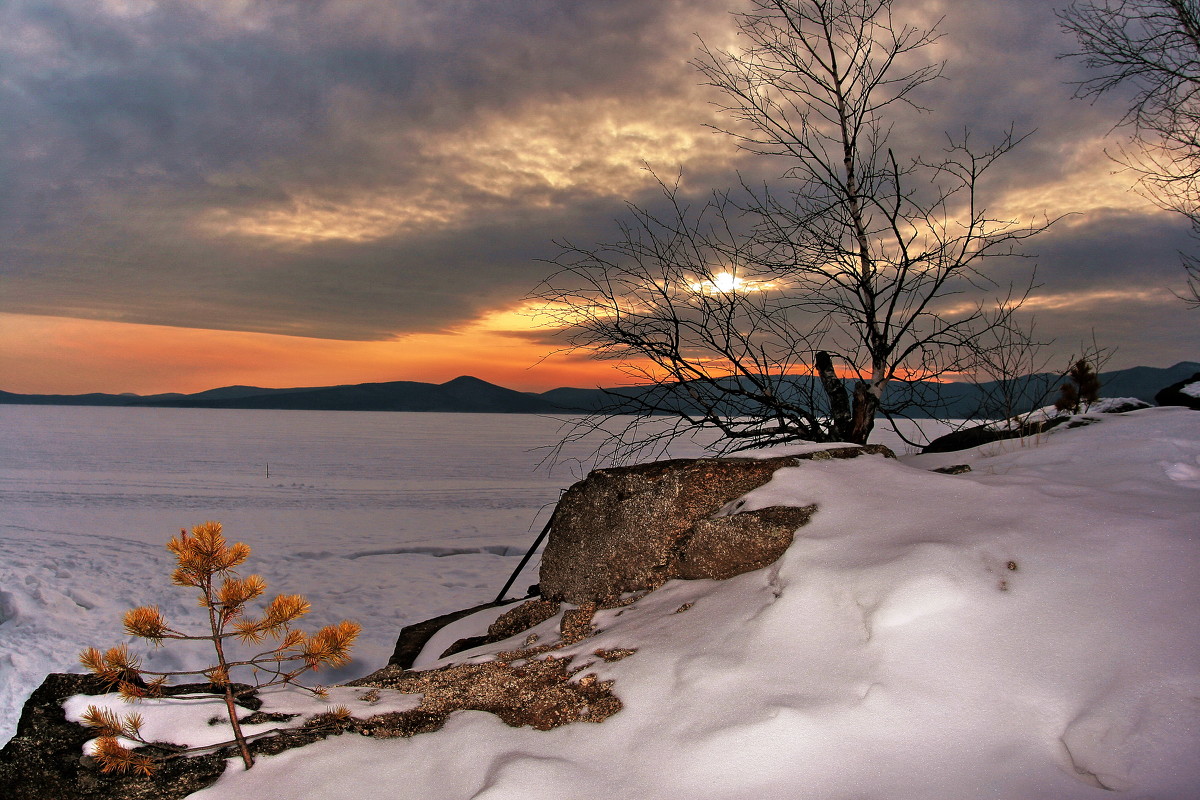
1186	393
628	529
1031	424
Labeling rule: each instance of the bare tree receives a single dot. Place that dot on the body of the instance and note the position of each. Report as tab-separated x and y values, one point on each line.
857	263
1153	48
1009	371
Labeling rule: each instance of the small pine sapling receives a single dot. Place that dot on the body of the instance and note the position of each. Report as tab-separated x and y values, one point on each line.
1081	390
202	558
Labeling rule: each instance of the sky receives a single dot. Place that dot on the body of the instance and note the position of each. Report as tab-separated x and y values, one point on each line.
316	192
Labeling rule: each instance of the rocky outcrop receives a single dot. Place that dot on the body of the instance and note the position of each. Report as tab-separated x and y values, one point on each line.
413	638
527	686
1175	394
507	625
631	529
978	435
987	433
45	759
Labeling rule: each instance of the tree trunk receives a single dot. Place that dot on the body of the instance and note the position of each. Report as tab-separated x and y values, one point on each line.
839	401
866	403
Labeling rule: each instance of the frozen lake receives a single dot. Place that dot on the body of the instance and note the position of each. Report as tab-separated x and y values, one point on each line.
383	518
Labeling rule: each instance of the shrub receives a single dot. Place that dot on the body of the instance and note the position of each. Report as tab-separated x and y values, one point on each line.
1081	390
202	558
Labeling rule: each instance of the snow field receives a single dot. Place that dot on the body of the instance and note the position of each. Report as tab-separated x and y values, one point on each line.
1026	630
385	519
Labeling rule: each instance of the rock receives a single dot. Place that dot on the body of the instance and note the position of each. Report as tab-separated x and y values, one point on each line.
412	638
726	546
1180	394
631	529
987	433
527	685
967	438
45	759
521	618
1119	405
954	469
508	624
542	693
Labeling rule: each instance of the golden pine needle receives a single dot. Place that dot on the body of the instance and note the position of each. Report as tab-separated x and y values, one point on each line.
331	645
146	622
231	594
235	592
104	720
291	639
131	726
130	691
110	753
93	660
255	585
248	631
235	555
113	757
183	577
217	676
119	657
207	541
115	665
283	610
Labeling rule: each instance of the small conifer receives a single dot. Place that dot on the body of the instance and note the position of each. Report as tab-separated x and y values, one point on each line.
203	558
1081	390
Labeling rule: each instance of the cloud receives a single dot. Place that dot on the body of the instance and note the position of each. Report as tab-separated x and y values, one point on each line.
322	168
358	169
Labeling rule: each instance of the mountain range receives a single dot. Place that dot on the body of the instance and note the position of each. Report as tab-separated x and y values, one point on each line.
472	395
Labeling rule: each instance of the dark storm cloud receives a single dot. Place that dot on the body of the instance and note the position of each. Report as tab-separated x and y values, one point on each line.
138	121
359	168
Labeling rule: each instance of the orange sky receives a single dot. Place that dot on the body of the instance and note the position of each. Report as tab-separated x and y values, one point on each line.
51	355
58	355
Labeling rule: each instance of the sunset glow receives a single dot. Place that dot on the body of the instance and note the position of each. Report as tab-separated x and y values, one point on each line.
57	355
285	194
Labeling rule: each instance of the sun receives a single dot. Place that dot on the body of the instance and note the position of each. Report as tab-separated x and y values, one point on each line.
722	282
726	282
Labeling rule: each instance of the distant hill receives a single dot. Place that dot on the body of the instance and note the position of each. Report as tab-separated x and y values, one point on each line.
463	394
472	395
945	400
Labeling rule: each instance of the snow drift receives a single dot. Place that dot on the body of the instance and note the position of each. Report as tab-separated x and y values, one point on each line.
1025	630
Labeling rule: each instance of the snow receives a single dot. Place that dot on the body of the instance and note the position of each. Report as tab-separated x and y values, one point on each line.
383	518
1191	389
1023	630
187	719
1102	405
